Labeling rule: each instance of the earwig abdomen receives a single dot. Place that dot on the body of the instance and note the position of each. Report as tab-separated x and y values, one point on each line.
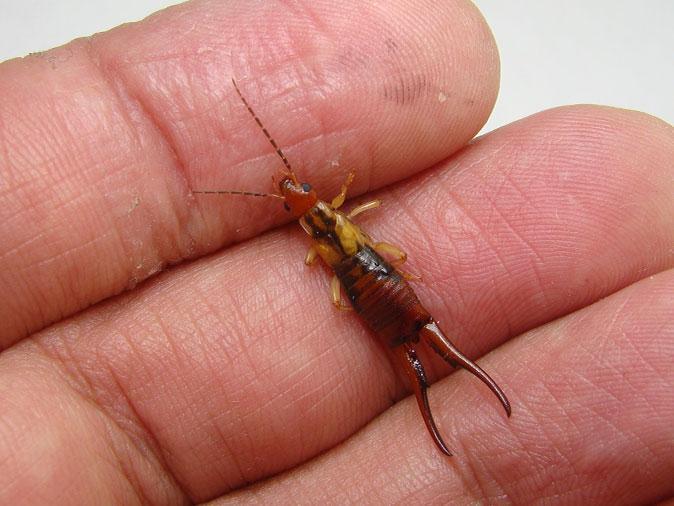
382	297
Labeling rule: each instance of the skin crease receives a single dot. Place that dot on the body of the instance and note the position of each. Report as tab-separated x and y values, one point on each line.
545	245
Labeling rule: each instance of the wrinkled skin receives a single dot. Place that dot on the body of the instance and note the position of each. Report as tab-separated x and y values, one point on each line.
165	348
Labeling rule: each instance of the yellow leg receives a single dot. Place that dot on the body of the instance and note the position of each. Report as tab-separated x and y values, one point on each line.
312	254
339	199
373	204
336	290
409	276
398	257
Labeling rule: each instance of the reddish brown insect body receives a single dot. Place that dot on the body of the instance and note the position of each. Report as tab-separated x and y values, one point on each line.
377	290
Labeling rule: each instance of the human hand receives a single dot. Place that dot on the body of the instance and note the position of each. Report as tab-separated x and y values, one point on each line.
546	246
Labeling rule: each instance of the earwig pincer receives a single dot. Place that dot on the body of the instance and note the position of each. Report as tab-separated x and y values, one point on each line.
376	288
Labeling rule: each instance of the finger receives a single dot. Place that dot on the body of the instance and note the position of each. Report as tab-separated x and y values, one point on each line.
233	368
538	219
592	422
104	138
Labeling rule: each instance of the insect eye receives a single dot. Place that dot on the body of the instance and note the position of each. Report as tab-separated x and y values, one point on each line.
286	206
306	187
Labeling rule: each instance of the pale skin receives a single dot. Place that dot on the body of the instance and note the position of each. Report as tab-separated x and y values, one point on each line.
545	249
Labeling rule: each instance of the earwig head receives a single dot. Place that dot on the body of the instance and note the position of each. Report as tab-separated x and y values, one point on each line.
298	197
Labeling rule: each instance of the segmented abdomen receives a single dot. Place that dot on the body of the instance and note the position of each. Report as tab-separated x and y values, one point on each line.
382	297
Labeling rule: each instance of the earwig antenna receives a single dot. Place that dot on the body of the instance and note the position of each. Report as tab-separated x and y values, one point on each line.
266	133
273	143
237	192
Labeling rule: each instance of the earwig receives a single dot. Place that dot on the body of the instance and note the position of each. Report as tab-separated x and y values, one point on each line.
376	288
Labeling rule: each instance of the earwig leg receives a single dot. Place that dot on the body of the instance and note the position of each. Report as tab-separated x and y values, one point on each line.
409	276
339	199
398	257
446	349
407	357
311	256
336	291
373	204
